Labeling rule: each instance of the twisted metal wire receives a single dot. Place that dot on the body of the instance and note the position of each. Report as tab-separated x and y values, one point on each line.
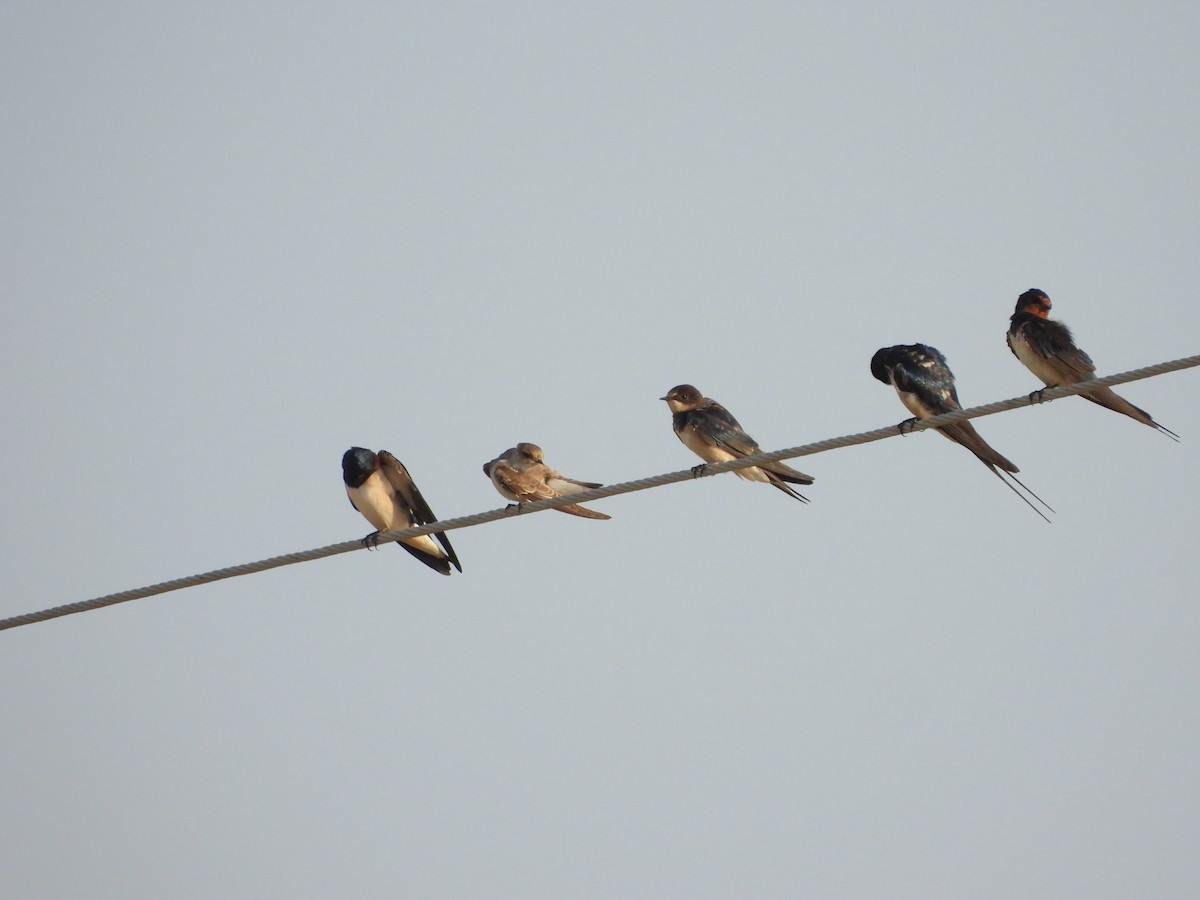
611	490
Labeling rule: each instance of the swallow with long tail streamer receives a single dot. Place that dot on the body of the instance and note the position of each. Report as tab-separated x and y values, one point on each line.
711	432
925	386
381	489
1047	349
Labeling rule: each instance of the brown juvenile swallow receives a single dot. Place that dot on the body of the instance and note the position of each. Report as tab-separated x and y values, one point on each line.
520	474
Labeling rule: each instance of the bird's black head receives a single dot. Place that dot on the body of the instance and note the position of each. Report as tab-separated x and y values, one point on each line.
357	465
879	364
1035	302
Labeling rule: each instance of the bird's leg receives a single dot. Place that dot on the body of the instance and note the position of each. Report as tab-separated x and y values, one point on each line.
1038	396
907	426
371	541
698	471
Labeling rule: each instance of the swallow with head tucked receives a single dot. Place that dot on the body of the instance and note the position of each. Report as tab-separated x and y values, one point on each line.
925	385
381	489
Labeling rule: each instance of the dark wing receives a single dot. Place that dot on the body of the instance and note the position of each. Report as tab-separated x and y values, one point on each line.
393	470
722	429
718	424
1053	341
922	370
397	476
435	561
785	472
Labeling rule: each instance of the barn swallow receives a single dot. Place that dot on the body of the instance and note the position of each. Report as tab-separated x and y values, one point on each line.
1047	349
381	489
925	385
520	474
711	432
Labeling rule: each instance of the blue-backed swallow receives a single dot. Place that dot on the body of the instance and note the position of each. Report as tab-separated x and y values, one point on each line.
381	489
521	474
1047	349
925	385
711	432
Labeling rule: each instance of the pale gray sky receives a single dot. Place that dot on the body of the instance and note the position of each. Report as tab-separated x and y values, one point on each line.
240	239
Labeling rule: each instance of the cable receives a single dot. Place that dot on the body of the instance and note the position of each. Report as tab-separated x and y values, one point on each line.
611	490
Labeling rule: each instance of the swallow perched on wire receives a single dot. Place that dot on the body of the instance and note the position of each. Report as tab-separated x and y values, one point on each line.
521	474
925	386
381	489
1047	349
711	432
